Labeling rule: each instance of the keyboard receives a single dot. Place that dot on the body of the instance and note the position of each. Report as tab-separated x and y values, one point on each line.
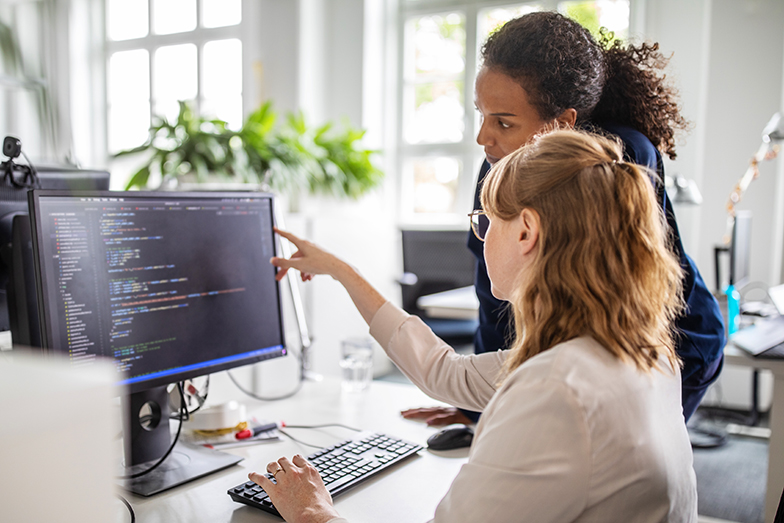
342	466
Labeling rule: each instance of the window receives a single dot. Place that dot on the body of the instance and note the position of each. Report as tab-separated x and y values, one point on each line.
160	52
441	39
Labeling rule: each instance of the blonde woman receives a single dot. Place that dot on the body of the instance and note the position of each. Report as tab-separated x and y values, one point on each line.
582	417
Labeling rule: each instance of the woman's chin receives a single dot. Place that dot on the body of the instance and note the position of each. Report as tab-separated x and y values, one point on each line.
497	294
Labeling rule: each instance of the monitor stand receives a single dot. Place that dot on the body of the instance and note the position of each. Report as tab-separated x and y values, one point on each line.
147	438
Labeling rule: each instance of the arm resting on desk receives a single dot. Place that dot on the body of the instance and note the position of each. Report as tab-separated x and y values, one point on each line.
465	381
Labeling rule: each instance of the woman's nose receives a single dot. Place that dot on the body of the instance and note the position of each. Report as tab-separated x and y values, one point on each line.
483	137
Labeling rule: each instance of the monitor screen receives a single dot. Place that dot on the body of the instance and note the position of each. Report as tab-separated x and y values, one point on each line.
740	250
166	285
13	207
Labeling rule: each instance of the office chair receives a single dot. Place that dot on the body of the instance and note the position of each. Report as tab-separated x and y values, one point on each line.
436	261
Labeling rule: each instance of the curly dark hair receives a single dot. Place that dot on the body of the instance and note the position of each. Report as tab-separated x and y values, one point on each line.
561	66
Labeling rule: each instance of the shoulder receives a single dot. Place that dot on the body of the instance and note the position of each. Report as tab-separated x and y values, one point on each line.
637	147
599	382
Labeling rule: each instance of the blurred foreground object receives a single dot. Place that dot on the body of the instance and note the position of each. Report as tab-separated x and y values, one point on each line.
59	430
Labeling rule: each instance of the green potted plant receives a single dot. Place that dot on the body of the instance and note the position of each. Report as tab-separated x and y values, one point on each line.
289	158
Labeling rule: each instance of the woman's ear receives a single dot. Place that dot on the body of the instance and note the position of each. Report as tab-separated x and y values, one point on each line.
529	230
567	119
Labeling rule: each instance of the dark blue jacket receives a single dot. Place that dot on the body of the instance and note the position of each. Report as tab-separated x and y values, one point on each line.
701	328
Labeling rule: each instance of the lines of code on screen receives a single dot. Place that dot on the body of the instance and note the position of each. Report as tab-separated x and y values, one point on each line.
161	286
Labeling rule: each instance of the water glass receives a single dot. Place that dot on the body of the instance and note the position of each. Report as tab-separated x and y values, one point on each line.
357	363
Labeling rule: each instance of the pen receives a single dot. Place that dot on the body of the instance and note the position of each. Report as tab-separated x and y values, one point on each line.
255	431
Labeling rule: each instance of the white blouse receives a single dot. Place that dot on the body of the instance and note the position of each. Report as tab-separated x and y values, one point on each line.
573	434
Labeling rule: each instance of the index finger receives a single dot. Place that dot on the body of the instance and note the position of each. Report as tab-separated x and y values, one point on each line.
261	480
290	237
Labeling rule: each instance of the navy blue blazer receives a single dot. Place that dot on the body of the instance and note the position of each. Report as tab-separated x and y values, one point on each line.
701	337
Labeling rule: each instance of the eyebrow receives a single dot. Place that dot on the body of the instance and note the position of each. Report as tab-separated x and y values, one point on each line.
502	114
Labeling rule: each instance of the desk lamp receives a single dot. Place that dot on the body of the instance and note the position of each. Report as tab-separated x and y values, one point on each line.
773	132
768	149
682	190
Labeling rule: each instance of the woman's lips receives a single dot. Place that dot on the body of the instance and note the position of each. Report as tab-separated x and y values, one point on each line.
490	158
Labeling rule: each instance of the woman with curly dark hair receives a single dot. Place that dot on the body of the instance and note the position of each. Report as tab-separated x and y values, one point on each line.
544	70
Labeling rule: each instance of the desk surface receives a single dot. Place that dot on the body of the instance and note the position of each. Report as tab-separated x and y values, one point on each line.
409	492
775	483
456	304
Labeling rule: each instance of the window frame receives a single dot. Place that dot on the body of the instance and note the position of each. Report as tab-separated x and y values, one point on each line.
199	37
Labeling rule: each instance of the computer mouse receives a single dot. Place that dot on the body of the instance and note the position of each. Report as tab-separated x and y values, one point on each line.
451	437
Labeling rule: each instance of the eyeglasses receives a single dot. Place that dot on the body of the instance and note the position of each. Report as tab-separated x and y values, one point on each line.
479	223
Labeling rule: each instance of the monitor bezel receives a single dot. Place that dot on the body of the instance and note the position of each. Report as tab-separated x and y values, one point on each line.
35	196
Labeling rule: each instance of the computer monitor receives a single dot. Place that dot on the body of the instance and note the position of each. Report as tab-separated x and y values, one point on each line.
740	250
169	286
18	305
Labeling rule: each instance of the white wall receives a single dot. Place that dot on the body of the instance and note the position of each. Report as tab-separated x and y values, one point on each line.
728	62
333	73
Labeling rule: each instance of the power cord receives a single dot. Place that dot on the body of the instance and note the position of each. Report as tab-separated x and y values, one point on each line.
322	426
271	398
171	447
129	507
292	438
200	399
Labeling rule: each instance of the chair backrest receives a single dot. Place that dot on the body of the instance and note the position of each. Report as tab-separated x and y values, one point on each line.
440	260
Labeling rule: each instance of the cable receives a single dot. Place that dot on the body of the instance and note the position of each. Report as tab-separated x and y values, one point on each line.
313	427
292	438
129	507
271	398
33	172
176	438
707	438
199	398
322	426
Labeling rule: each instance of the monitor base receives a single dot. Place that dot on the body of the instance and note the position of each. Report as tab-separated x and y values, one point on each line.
186	463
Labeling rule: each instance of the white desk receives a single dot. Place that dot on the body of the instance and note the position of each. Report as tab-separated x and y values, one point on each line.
408	492
775	484
455	304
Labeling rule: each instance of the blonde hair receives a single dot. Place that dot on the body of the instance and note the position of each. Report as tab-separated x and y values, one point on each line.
603	266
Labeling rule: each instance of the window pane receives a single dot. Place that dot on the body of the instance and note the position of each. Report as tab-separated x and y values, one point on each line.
219	13
126	19
434	113
168	109
433	184
227	108
492	19
173	16
129	124
612	14
222	68
175	73
438	48
129	76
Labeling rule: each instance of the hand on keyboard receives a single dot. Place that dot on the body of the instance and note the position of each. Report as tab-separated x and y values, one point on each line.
341	467
298	491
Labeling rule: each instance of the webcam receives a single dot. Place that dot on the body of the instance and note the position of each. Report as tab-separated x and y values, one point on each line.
12	147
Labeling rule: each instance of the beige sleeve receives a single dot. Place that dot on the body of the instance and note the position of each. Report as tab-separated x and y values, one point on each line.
466	381
531	461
